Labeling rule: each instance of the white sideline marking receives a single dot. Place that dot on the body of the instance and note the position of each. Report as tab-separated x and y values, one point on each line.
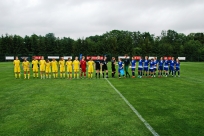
135	111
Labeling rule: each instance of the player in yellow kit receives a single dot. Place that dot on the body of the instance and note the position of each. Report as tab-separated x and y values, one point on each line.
69	68
42	67
47	68
35	67
90	68
54	65
26	68
62	67
17	69
76	64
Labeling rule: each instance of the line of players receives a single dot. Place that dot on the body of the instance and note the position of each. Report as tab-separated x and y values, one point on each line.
148	68
47	68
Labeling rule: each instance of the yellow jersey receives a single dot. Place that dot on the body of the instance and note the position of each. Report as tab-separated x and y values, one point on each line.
16	63
26	64
76	64
42	63
35	63
54	64
90	64
47	67
62	63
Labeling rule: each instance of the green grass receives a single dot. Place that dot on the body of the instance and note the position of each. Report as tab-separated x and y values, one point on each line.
172	106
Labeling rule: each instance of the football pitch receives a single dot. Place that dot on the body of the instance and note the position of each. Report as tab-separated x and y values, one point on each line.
96	107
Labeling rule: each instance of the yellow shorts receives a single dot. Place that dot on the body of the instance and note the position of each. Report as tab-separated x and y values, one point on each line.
48	70
35	69
90	70
17	69
62	69
54	70
69	69
76	70
42	68
26	69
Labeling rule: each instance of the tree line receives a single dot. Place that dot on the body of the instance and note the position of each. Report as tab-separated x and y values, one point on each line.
113	43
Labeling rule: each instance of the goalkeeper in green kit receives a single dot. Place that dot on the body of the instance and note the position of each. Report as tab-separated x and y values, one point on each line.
127	63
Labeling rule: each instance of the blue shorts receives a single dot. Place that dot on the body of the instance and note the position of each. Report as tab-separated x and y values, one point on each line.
171	68
151	70
166	68
145	68
177	68
133	69
140	69
161	68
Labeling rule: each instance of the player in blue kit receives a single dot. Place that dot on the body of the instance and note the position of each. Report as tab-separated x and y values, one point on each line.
161	67
177	67
133	66
171	67
166	66
140	67
151	67
155	66
120	68
146	64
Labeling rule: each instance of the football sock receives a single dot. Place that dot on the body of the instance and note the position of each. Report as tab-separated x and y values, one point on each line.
178	72
77	75
37	74
103	74
106	74
33	74
146	74
15	75
24	75
112	74
46	75
96	75
19	75
54	75
138	73
63	74
99	75
60	75
28	76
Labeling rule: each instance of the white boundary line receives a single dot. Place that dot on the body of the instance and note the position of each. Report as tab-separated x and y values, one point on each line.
135	111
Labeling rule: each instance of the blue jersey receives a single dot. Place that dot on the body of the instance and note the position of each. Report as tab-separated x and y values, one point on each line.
120	64
166	63
161	63
151	65
140	64
172	63
146	63
133	63
177	64
155	63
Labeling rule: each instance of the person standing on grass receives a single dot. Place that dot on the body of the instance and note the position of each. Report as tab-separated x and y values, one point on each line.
47	69
83	66
155	66
161	67
90	68
98	66
42	67
69	68
35	67
54	65
17	68
166	66
146	65
104	64
133	66
177	67
113	63
26	68
127	63
120	68
140	67
151	67
62	67
171	67
76	66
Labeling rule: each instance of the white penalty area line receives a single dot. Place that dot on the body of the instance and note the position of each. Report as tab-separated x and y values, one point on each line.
135	111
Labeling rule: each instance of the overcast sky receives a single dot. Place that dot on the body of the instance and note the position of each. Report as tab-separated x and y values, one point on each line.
83	18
